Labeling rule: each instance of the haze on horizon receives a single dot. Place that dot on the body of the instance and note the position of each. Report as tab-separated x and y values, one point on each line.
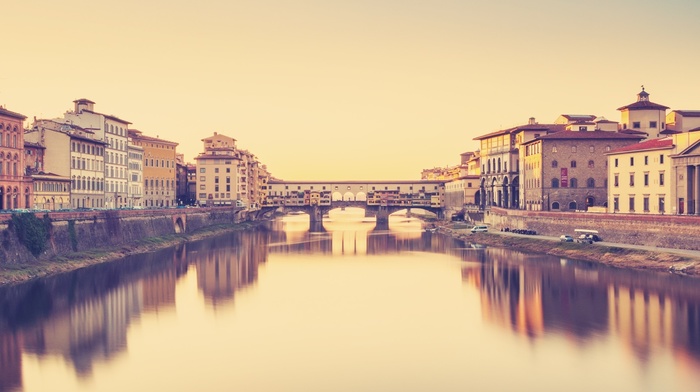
343	90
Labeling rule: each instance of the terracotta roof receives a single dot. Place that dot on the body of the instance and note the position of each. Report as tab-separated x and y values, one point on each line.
8	113
654	144
632	132
33	144
525	127
598	135
669	131
141	136
643	105
579	117
688	113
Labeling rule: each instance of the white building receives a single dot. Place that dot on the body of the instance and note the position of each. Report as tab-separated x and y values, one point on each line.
134	192
113	131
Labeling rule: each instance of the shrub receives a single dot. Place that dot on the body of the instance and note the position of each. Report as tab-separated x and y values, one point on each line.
31	231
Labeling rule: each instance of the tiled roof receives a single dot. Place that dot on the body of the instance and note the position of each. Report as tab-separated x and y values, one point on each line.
643	105
632	132
654	144
8	113
525	127
688	113
597	135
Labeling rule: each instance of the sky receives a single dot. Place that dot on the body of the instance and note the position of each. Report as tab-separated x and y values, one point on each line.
346	90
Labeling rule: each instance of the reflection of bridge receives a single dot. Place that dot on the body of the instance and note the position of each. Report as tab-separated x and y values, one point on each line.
377	198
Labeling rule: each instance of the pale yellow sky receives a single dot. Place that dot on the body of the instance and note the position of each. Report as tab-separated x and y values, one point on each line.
346	90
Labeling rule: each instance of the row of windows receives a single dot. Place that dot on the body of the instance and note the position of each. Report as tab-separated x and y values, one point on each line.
662	179
661	204
638	124
216	170
591	164
9	156
216	188
50	186
159	183
117	130
8	127
215	196
86	164
150	162
10	140
646	160
575	148
573	183
117	159
117	144
86	148
12	169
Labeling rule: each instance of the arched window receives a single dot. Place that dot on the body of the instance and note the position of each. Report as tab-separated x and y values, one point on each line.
573	163
572	205
573	183
555	164
590	183
591	164
555	205
555	183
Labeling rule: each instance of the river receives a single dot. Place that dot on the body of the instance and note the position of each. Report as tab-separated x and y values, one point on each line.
349	308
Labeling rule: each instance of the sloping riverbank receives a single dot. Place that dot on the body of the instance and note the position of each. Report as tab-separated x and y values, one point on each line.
608	254
18	273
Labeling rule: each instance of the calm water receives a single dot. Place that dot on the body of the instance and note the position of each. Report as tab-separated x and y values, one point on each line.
350	309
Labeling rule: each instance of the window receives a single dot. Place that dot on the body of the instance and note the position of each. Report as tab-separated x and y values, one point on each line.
573	148
554	149
616	162
652	124
646	179
201	187
202	170
555	205
661	178
645	203
636	124
573	183
607	148
573	163
202	178
555	183
631	161
617	180
616	204
591	164
661	158
590	183
646	159
591	149
216	170
555	164
631	179
631	203
583	128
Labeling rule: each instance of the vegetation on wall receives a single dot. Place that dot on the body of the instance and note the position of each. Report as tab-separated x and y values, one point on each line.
31	231
73	235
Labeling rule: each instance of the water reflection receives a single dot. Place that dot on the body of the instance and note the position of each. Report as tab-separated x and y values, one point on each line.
84	318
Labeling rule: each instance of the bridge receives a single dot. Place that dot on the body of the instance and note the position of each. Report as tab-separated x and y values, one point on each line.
377	198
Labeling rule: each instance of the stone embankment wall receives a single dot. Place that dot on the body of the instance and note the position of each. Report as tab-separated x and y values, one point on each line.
80	231
665	231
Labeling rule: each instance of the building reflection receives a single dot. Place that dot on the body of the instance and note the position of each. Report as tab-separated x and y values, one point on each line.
227	265
538	295
10	361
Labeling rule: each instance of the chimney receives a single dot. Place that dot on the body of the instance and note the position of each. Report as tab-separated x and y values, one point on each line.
531	121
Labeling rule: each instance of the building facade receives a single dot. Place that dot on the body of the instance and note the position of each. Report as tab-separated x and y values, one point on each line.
113	131
135	182
15	186
159	170
218	171
644	116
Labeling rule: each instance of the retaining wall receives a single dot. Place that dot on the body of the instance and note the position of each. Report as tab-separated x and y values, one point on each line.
109	228
666	231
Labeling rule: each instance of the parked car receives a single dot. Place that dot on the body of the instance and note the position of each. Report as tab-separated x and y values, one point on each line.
566	238
480	229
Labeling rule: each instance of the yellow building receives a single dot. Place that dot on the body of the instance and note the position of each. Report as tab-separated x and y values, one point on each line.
159	170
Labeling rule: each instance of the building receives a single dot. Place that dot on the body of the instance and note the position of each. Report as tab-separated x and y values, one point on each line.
191	184
639	177
159	170
644	116
679	121
135	182
181	178
218	172
567	170
113	131
15	187
685	173
500	160
72	152
50	191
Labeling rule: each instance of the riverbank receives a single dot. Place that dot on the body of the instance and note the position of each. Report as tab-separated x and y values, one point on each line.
614	255
19	273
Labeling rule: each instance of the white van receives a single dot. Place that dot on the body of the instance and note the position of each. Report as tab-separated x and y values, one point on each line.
480	229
